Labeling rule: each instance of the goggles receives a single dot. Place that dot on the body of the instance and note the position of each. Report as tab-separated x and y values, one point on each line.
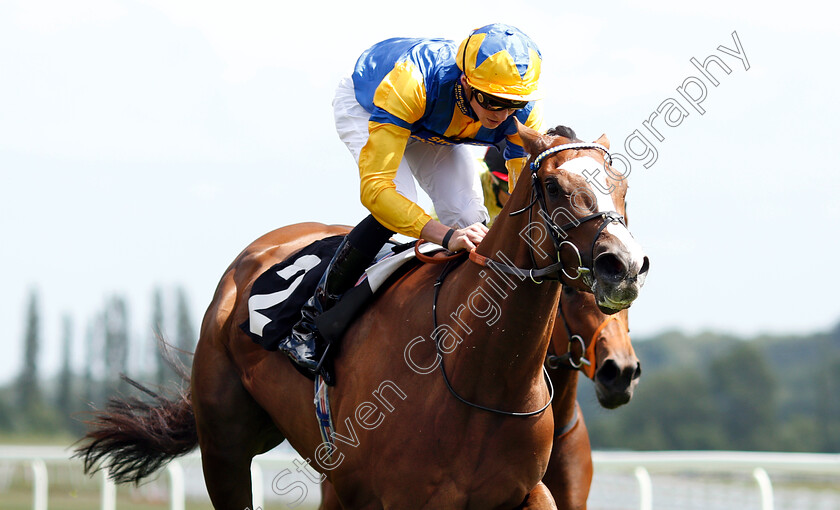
494	104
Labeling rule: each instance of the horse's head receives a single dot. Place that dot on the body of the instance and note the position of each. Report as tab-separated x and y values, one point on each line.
579	202
597	344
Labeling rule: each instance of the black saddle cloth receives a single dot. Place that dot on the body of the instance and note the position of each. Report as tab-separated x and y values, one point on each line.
279	293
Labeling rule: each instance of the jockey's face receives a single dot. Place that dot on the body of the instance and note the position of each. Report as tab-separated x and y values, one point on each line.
491	119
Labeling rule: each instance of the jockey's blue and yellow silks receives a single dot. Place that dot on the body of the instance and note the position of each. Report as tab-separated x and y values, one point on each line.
411	87
502	61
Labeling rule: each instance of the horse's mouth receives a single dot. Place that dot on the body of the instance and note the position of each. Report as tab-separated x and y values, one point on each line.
610	306
607	310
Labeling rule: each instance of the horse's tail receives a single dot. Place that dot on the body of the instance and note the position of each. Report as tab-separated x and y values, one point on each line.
133	438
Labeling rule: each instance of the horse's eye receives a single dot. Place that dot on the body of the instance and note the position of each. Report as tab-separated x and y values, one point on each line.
552	188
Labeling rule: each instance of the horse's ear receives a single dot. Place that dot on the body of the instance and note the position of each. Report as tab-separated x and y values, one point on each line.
532	140
603	140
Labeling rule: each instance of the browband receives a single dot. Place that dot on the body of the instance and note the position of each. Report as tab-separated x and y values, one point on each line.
535	165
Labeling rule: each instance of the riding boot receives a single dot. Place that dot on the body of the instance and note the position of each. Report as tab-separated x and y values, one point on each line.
304	344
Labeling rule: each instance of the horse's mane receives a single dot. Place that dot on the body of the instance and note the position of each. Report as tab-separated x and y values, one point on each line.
563	131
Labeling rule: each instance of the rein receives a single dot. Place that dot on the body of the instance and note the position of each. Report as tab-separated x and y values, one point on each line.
432	259
556	231
583	362
438	284
556	269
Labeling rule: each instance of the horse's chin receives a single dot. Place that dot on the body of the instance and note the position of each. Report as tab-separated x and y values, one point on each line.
612	400
608	311
608	305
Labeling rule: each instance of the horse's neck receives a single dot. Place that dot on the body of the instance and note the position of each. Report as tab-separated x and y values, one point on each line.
565	382
507	321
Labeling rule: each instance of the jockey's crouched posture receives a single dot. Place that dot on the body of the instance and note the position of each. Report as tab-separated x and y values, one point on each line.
405	113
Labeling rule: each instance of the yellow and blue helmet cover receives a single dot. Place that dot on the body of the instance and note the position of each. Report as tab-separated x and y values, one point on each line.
502	61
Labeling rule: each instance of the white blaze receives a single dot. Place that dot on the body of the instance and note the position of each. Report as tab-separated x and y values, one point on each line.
590	169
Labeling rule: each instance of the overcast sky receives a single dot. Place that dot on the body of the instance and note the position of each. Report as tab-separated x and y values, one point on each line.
145	143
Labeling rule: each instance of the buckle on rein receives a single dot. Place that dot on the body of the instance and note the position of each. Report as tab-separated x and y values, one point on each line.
554	361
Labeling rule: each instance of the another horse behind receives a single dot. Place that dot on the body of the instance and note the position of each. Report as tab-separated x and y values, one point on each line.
584	340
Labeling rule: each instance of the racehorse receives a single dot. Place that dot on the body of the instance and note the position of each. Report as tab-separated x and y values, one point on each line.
599	346
584	339
455	422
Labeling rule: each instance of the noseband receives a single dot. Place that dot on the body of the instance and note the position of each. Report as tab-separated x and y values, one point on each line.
557	232
552	271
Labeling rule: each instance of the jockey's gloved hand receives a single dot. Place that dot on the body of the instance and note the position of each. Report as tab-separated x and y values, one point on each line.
454	239
467	238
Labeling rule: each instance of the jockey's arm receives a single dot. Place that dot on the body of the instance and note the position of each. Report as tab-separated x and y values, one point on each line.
401	101
378	163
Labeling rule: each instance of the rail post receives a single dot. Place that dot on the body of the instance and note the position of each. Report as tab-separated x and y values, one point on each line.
109	491
257	485
645	488
765	487
40	484
177	494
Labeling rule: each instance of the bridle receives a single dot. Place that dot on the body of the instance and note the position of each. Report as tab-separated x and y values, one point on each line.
585	361
556	270
450	265
553	271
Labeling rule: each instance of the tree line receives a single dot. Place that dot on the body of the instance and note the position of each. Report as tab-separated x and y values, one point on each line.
719	392
697	392
35	404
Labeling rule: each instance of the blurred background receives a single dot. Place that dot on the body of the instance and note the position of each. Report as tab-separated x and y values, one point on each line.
143	144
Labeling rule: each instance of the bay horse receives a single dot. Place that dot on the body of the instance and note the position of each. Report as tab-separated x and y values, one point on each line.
455	422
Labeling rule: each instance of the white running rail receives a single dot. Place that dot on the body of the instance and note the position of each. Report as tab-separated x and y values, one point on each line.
755	463
641	464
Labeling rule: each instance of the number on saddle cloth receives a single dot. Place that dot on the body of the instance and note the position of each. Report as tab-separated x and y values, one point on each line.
279	293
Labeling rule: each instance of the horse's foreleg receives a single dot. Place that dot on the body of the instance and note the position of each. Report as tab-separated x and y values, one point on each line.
538	499
232	428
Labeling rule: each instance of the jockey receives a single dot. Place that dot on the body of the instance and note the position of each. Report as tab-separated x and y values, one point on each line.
404	114
494	182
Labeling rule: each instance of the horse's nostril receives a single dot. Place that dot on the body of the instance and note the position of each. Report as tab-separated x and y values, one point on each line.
608	372
610	266
638	372
645	266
